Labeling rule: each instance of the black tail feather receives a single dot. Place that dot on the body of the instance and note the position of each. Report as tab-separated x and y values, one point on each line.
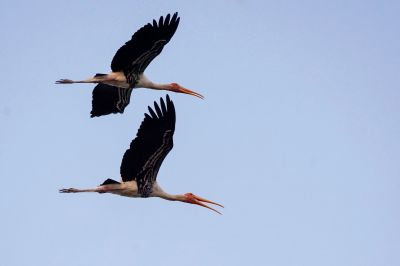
100	75
110	181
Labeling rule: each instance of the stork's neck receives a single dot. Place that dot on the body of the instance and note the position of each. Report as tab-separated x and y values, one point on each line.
145	82
161	86
172	197
158	192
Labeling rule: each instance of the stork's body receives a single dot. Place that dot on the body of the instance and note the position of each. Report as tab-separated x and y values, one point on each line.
118	79
113	91
142	161
128	189
125	189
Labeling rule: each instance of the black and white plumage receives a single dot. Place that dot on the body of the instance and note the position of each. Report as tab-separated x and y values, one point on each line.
147	151
108	99
142	161
112	94
148	42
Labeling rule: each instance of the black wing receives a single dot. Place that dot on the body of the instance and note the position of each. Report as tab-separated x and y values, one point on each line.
137	53
109	99
147	151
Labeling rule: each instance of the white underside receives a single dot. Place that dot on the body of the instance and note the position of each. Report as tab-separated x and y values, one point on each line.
118	79
126	189
130	189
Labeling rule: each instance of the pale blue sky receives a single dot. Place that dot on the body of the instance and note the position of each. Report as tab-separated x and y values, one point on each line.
298	135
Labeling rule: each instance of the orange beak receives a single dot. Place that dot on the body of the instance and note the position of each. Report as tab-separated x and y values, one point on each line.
199	201
180	89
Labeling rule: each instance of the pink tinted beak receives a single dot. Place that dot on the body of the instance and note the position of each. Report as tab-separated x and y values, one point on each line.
199	201
187	91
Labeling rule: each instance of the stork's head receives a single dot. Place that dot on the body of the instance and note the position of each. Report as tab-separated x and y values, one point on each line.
193	199
175	87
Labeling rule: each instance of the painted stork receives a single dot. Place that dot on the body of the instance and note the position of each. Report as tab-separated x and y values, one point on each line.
141	162
113	91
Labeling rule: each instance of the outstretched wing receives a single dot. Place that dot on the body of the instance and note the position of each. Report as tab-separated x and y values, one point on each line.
107	99
147	151
137	53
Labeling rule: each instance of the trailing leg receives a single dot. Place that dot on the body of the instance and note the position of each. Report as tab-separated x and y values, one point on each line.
99	189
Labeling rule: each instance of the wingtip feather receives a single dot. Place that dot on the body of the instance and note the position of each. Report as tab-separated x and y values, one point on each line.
158	110
152	113
167	19
163	108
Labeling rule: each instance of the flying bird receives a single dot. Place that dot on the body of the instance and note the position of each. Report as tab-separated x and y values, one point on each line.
113	91
141	162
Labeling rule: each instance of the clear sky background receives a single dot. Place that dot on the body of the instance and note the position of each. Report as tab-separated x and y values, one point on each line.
298	135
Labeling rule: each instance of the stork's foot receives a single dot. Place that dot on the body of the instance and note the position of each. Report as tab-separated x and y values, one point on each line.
64	81
68	190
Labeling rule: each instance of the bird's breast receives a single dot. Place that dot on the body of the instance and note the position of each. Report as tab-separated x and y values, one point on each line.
117	79
127	189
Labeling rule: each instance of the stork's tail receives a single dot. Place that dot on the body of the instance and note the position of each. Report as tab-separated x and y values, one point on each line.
110	181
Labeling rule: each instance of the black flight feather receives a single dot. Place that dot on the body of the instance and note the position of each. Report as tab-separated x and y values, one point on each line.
145	45
107	99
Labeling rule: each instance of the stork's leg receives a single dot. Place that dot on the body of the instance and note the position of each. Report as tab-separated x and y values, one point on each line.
100	189
75	190
70	81
65	81
96	79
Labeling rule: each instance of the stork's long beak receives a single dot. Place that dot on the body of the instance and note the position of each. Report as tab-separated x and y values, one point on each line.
181	89
199	201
